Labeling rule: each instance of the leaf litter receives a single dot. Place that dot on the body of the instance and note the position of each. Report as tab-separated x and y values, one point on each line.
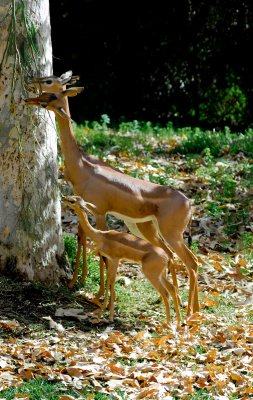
142	358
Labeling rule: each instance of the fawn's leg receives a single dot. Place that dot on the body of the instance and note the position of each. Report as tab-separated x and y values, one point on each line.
154	267
81	240
112	267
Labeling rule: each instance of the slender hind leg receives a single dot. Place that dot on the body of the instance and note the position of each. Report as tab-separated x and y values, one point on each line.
190	261
112	267
172	291
154	268
172	223
150	233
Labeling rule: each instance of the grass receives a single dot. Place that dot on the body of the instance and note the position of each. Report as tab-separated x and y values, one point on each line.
92	280
215	170
38	389
209	157
99	138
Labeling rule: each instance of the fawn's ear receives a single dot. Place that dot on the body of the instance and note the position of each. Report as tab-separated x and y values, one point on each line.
89	206
71	92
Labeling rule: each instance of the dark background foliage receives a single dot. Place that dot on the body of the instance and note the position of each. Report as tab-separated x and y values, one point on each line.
185	61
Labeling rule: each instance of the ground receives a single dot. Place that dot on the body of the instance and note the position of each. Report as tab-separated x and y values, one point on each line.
56	335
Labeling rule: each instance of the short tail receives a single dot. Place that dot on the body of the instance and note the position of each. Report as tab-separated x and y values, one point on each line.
105	260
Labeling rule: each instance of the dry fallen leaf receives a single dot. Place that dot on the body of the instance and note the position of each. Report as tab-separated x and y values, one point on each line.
10	325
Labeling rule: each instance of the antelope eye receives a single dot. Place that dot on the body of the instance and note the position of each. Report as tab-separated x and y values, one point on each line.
49	82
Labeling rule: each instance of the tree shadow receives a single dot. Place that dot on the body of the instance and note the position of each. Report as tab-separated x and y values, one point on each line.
28	304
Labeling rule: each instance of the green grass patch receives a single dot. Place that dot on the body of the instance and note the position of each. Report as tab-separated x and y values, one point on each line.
221	164
215	170
222	159
93	277
39	389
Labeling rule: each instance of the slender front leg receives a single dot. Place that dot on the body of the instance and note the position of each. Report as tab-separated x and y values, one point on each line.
112	267
81	239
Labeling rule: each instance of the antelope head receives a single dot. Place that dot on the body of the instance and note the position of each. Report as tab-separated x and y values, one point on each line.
53	84
54	101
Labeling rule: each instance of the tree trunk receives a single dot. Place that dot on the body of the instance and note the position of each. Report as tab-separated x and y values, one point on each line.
31	244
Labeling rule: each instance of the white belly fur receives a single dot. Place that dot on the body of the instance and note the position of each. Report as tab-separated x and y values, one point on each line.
131	223
132	220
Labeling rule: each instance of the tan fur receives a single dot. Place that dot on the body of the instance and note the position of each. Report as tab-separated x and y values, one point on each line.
158	213
117	246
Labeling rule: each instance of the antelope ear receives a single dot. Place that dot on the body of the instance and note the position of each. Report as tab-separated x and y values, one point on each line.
64	78
71	92
85	205
73	80
90	206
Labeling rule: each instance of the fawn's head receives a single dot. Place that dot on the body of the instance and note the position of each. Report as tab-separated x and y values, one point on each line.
77	203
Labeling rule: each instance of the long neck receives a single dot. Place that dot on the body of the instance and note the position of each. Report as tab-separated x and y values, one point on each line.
69	146
91	232
73	156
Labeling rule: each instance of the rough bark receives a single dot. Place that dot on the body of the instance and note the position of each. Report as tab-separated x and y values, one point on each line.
31	244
